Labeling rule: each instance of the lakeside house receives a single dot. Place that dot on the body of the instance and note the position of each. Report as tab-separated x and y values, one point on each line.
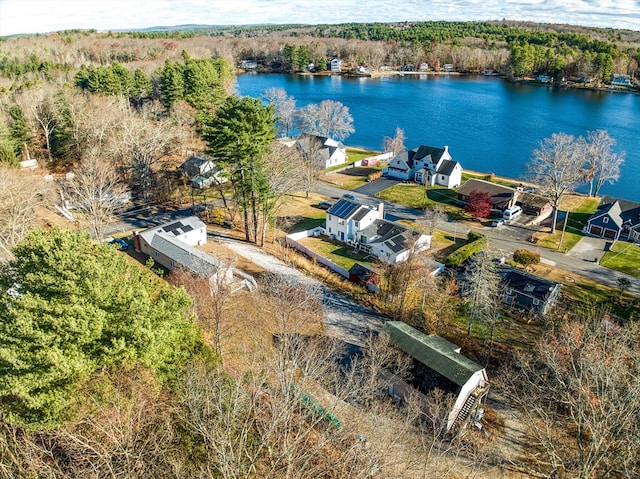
365	228
438	363
615	219
202	172
321	150
426	165
502	197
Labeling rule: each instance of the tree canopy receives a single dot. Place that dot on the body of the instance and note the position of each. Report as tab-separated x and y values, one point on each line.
71	308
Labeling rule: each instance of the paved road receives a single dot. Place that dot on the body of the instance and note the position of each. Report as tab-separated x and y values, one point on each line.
343	318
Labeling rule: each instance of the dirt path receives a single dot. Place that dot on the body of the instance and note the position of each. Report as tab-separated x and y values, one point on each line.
343	318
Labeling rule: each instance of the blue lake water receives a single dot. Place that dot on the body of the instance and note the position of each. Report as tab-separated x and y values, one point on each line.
489	125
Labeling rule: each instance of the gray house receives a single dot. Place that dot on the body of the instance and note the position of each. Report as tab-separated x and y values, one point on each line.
526	291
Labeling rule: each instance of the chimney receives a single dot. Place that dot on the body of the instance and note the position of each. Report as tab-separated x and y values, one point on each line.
381	211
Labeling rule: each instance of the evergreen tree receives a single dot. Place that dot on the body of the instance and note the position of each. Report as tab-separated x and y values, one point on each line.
70	308
171	83
239	136
20	132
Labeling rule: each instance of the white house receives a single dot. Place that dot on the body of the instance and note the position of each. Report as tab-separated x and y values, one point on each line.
172	245
426	165
197	165
324	150
364	227
621	80
335	65
446	369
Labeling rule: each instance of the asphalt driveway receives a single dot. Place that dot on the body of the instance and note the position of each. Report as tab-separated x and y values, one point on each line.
376	186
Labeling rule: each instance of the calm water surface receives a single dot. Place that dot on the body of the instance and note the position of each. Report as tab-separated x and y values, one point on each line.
489	125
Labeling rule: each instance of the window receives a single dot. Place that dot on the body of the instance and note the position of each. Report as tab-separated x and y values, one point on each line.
357	224
329	230
536	302
605	220
340	222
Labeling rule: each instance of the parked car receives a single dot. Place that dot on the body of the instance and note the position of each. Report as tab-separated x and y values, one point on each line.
497	222
349	196
120	243
227	224
325	205
511	213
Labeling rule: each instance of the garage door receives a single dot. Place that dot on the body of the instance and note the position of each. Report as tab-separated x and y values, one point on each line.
595	230
610	234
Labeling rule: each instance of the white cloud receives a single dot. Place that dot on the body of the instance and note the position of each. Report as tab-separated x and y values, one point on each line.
31	16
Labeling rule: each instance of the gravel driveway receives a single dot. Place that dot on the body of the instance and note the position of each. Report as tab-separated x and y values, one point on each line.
343	318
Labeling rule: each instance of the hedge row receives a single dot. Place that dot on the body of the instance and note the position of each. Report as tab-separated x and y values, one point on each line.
476	243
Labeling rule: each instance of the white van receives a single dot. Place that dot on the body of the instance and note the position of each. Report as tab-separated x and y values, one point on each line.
512	212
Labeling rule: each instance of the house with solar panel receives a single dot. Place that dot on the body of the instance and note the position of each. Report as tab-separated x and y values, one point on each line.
426	165
439	364
365	228
173	245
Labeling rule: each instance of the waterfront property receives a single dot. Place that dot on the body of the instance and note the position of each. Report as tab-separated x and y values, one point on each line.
615	219
365	228
502	197
321	150
426	165
202	172
438	363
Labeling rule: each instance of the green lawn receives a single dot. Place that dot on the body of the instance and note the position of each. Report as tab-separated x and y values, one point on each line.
511	184
623	257
341	254
417	196
552	241
353	155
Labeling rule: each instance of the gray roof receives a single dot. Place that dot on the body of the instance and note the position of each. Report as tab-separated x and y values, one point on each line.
174	228
622	212
447	167
433	351
525	283
186	256
393	235
423	151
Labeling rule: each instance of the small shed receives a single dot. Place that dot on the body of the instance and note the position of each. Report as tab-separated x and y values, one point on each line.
365	276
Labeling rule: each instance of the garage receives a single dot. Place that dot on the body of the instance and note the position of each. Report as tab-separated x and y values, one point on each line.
610	234
596	230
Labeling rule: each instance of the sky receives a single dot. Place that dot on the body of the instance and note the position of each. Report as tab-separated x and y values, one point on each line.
42	16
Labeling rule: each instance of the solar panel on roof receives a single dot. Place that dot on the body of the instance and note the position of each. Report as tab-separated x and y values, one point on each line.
173	226
343	208
187	228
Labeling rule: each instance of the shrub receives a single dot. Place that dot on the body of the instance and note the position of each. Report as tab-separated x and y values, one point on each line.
477	242
526	257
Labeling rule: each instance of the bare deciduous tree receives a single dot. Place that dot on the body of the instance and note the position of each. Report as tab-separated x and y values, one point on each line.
579	392
395	145
557	166
21	194
481	291
329	118
310	147
285	108
96	191
431	218
603	164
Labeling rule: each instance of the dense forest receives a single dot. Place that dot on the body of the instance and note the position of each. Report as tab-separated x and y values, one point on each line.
112	368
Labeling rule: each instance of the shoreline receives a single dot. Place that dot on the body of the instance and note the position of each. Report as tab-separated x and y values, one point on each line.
391	73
